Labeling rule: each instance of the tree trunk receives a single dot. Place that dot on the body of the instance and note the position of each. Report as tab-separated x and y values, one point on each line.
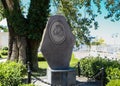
25	33
32	50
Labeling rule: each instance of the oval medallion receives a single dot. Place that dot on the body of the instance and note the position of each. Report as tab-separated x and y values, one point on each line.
57	32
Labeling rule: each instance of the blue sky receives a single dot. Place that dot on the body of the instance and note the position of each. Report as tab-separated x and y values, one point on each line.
106	27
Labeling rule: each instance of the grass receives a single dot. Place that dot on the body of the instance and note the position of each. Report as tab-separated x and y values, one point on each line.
44	64
73	61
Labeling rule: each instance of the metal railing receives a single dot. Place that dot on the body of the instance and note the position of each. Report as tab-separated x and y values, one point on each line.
78	68
101	73
29	75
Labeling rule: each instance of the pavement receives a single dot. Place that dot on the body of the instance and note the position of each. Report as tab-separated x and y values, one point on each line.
80	81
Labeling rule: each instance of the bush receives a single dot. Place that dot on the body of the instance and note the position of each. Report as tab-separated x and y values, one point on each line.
11	73
92	65
4	52
114	83
113	73
5	48
0	56
41	57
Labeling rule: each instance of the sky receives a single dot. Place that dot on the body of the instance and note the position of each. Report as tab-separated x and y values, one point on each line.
106	30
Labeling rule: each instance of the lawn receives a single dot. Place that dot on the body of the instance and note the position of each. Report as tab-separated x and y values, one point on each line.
44	64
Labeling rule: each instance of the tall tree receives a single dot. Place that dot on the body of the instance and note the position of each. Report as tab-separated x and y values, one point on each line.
25	33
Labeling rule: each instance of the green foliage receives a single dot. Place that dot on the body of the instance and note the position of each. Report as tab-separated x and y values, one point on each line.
26	85
1	11
4	52
41	57
113	73
4	28
33	24
43	64
0	84
114	83
11	73
91	65
81	15
73	61
98	41
86	66
37	17
5	48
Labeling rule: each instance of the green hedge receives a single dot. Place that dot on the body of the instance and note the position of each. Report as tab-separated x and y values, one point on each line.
114	83
11	73
5	48
113	73
4	52
92	65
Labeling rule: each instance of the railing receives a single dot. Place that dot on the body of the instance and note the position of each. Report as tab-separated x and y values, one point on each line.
29	74
100	73
78	68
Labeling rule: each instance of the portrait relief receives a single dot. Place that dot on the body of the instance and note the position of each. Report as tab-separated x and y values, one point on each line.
57	32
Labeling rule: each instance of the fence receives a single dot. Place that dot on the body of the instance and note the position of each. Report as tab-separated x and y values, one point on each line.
101	73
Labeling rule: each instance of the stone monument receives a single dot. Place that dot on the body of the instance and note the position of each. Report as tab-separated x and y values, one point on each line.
56	46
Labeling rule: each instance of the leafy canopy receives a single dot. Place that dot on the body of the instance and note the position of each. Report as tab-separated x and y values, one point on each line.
81	15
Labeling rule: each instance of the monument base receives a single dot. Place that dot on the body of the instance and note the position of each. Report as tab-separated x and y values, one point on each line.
61	77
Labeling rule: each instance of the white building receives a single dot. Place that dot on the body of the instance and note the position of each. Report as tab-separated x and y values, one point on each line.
3	39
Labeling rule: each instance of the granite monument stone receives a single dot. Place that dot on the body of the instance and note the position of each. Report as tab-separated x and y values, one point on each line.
57	43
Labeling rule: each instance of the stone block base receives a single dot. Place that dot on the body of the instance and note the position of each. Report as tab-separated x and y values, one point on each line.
61	77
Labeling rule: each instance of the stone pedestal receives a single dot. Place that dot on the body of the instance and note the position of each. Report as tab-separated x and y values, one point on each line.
61	77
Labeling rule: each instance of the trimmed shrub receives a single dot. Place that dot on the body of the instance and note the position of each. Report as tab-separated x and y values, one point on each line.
114	83
5	48
4	52
11	73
